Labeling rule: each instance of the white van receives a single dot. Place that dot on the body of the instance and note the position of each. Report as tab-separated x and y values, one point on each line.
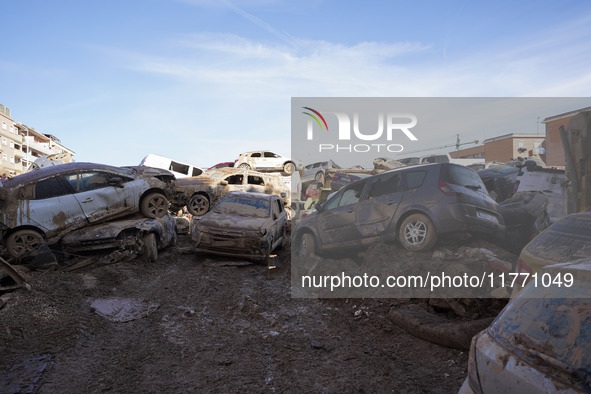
180	170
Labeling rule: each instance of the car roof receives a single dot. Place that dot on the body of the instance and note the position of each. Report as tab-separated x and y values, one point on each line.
45	172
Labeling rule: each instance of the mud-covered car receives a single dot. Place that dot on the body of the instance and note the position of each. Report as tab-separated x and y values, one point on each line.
499	180
541	341
201	193
268	161
249	225
414	204
316	171
340	179
43	205
143	235
567	239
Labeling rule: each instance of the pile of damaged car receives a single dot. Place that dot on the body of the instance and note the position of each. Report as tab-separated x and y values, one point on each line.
86	206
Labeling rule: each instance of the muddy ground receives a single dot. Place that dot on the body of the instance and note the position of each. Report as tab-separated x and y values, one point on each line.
209	325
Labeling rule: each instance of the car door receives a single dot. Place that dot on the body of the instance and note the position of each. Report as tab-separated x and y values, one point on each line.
375	213
99	199
337	218
53	207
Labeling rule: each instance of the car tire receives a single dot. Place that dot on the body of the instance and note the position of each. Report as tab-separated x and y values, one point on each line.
154	205
417	233
245	166
23	241
289	168
198	205
150	248
307	246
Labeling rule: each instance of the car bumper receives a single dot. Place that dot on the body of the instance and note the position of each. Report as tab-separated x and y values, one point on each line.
230	245
470	218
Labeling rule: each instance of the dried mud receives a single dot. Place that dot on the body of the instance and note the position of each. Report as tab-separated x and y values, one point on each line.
218	326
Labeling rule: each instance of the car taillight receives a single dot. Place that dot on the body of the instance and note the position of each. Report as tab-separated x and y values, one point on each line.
335	178
523	268
516	186
446	189
473	380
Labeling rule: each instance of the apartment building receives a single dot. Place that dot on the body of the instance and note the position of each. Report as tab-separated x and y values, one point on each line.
21	145
504	148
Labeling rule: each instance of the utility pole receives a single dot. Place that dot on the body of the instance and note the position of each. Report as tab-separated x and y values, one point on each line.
458	142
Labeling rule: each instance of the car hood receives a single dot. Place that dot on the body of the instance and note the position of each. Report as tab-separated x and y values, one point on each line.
235	222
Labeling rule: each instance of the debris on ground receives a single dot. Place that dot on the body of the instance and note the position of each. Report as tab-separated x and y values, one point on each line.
121	310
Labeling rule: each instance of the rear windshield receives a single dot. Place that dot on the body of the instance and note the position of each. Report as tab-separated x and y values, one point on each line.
554	328
461	176
568	239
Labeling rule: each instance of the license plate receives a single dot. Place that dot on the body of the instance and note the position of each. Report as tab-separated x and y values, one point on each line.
487	216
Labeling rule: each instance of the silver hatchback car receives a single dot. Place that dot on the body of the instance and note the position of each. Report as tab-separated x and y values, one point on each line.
414	204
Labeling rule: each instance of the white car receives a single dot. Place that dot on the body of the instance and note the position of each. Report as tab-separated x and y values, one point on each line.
268	161
43	205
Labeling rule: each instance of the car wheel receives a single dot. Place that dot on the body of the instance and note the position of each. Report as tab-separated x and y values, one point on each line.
288	168
417	233
307	245
198	205
154	205
245	166
319	176
150	248
23	241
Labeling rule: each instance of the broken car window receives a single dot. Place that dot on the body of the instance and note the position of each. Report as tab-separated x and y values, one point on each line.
256	154
255	180
235	179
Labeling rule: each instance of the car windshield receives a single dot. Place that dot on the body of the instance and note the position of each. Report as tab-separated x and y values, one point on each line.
568	239
551	329
243	206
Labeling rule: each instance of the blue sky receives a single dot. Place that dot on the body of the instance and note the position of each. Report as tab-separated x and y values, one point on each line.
202	81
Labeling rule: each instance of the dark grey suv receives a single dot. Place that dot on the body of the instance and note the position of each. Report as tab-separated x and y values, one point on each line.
414	204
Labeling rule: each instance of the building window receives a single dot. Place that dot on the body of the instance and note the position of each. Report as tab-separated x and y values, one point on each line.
5	157
11	159
4	141
12	144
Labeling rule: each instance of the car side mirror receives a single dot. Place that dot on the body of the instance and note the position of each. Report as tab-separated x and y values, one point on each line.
116	182
224	183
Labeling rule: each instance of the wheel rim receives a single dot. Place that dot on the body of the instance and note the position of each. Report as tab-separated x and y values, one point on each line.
199	205
415	232
24	243
158	206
